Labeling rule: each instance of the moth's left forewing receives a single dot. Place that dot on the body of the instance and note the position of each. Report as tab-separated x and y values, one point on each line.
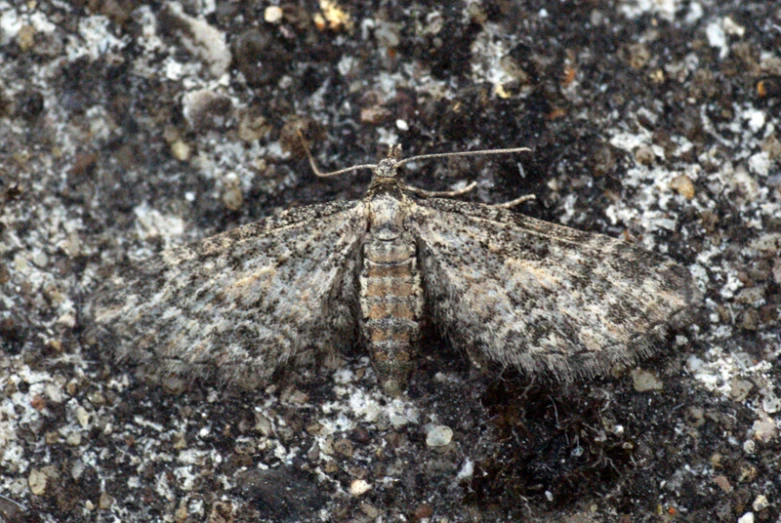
543	297
240	304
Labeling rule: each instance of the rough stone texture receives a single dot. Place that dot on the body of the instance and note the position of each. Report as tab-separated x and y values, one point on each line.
99	167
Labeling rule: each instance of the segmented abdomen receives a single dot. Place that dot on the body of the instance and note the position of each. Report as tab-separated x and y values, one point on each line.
391	307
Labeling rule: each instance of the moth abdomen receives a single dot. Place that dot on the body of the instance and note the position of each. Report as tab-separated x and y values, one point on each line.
391	299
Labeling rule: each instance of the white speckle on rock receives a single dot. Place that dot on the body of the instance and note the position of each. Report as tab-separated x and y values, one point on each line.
764	428
273	14
344	376
733	283
770	403
21	265
733	28
205	41
388	137
467	470
760	163
755	118
695	13
10	25
770	243
748	517
398	420
152	223
96	39
439	436
717	38
487	52
73	439
663	8
359	487
40	258
54	392
82	416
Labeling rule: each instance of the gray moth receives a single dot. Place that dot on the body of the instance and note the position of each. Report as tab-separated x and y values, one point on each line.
504	288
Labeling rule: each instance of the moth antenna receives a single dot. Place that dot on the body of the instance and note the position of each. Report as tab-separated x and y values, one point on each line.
515	202
321	174
471	186
439	194
484	152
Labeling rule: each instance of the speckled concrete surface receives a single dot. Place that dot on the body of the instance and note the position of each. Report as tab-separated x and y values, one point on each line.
126	127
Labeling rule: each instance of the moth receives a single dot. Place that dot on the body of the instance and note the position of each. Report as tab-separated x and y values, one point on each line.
504	288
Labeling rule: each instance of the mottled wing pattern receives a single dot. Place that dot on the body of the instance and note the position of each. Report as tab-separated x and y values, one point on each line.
542	297
239	304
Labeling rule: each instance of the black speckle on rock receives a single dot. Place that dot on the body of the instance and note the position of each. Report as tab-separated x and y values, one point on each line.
30	105
13	512
259	57
11	335
284	493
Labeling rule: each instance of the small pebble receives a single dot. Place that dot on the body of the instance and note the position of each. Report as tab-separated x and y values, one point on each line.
398	420
40	258
764	429
645	381
105	501
25	38
253	127
232	198
272	14
748	517
263	425
740	389
359	487
723	483
181	151
645	155
82	416
37	481
439	436
344	447
370	510
683	185
760	503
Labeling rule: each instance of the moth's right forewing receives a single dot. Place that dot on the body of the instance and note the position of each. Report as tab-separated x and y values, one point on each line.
542	297
241	303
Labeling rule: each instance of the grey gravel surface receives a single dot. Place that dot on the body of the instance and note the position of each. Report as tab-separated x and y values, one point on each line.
127	127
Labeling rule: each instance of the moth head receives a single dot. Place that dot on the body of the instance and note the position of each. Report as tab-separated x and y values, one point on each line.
387	168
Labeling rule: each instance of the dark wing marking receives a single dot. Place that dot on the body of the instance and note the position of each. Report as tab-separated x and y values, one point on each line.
543	297
241	303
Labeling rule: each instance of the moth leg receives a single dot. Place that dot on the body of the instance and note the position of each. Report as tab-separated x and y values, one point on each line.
440	194
512	203
477	358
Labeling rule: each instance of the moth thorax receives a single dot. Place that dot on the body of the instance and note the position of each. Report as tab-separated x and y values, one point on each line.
386	218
